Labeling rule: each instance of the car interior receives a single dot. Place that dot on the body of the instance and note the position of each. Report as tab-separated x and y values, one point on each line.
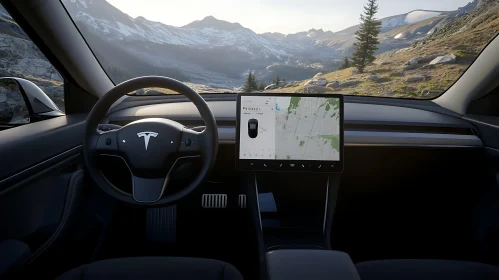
108	185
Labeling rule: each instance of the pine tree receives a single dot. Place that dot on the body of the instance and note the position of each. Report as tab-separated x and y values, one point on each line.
261	86
367	37
276	80
254	83
345	64
248	84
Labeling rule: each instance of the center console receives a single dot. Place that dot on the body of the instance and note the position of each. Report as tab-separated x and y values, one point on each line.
310	264
294	146
291	147
296	209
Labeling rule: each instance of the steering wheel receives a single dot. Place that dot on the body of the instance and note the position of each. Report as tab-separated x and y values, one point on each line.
152	147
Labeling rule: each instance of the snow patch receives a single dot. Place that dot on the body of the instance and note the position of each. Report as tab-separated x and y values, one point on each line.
97	24
398	36
417	16
410	18
393	22
83	3
125	30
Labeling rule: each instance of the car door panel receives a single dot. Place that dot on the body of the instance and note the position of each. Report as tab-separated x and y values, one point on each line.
34	206
41	179
68	213
57	162
28	145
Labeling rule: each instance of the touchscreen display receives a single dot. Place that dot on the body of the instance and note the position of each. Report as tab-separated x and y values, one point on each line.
299	129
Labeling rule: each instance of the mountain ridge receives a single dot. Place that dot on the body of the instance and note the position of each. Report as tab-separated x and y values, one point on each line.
211	21
204	47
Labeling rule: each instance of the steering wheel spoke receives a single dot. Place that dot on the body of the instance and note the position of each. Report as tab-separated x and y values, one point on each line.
106	143
192	142
148	190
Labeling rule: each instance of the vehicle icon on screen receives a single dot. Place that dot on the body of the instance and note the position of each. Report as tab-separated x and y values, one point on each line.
253	128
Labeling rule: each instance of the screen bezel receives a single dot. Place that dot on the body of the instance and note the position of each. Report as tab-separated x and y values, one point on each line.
275	165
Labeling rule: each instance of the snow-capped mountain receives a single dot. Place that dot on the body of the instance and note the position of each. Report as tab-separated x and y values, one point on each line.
219	53
209	51
107	21
390	23
343	40
397	31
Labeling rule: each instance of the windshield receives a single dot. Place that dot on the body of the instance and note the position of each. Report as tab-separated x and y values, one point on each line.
385	48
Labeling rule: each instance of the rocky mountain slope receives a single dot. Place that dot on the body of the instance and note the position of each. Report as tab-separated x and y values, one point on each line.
220	53
424	70
205	51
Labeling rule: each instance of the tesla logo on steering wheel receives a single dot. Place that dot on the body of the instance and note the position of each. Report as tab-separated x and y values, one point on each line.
147	136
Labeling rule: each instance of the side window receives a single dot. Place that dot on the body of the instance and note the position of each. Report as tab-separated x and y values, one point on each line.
21	58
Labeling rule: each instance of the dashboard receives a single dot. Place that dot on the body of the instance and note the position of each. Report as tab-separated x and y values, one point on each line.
376	136
396	154
364	124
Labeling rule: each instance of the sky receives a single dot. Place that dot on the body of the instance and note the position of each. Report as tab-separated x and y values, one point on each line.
284	16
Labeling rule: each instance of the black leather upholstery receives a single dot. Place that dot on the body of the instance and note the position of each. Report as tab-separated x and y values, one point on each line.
426	269
310	265
170	268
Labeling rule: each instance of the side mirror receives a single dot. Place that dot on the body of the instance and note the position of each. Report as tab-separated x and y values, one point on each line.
22	102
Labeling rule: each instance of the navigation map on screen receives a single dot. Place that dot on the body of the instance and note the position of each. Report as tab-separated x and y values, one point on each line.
289	128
